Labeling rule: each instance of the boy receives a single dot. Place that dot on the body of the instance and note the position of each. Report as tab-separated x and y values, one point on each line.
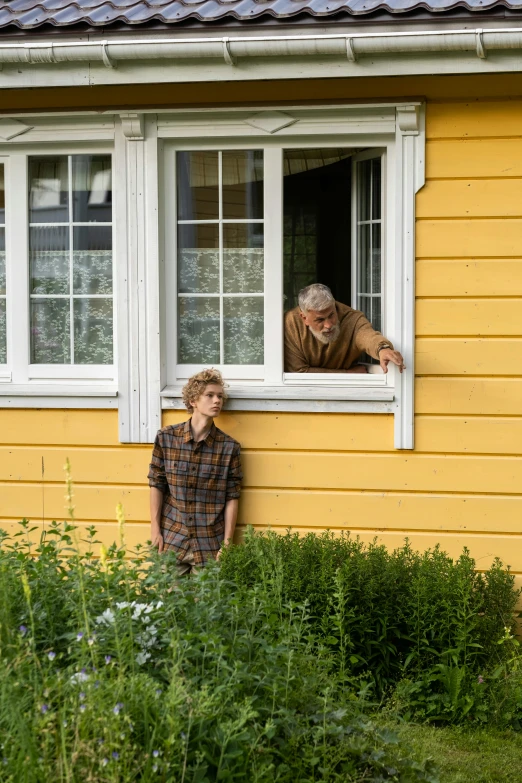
195	478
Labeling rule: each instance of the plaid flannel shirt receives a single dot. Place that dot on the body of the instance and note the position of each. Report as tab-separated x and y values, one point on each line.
197	479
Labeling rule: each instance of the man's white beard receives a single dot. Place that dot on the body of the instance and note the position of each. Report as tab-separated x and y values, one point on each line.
326	339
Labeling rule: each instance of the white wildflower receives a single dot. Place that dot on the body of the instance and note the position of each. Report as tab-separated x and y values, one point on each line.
107	618
79	677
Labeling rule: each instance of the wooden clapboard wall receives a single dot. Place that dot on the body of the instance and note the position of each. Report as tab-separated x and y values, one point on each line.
462	486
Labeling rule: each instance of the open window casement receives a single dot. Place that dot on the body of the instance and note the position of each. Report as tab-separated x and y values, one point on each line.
361	259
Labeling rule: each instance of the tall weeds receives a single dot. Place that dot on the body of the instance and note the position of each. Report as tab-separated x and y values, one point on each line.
113	671
388	616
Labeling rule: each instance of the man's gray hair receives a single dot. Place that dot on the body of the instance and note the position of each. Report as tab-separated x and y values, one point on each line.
315	297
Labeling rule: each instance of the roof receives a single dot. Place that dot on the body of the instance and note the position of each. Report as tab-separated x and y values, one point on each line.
31	14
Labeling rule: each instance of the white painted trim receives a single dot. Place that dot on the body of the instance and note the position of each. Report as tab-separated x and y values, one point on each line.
311	392
273	262
137	243
250	56
358	381
409	175
70	372
244	372
64	390
17	255
73	128
61	402
292	406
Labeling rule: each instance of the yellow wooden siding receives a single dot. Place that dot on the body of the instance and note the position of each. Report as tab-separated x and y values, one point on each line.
462	486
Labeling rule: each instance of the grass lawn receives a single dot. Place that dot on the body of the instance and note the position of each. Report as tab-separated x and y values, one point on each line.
467	755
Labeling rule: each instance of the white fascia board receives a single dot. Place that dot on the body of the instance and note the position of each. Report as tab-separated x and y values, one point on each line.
249	57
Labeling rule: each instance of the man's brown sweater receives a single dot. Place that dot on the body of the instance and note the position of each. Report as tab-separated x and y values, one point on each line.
304	352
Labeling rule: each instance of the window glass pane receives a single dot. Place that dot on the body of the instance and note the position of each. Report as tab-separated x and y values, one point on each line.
198	329
363	246
2	261
376	258
49	260
92	260
48	189
92	331
376	314
3	335
364	182
69	325
50	331
376	189
198	259
92	188
243	184
365	306
198	185
2	195
243	254
243	330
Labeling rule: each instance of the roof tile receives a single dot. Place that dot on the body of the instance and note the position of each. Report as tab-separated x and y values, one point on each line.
31	14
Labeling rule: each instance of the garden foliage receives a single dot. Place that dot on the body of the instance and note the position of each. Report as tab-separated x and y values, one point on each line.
436	630
111	671
262	668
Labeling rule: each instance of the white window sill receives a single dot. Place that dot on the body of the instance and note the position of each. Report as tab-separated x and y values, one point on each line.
58	395
358	397
97	373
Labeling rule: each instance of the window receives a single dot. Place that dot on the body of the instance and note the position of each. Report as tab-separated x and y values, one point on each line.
331	233
337	187
3	292
220	259
59	269
70	259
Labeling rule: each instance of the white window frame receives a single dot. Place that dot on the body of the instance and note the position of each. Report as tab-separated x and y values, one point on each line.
5	372
24	383
398	132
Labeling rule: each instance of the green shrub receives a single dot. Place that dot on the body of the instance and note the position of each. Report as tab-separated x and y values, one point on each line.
112	670
420	619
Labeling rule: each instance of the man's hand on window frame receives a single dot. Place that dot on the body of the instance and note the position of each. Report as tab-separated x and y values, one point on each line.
387	355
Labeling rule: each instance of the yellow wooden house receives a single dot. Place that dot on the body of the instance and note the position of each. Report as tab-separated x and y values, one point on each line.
172	173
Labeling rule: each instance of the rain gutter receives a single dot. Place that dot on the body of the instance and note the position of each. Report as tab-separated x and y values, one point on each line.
231	49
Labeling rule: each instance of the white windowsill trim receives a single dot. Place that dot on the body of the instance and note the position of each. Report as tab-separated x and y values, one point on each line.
305	393
64	391
293	405
66	373
61	402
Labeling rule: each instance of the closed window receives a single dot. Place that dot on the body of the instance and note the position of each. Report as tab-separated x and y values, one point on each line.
70	259
56	278
3	291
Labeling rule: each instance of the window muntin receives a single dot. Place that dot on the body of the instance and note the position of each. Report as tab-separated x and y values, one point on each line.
3	274
220	257
70	259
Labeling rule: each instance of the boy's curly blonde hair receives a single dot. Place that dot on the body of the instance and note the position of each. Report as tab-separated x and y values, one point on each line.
196	385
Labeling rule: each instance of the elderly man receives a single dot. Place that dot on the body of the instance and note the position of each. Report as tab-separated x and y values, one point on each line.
322	335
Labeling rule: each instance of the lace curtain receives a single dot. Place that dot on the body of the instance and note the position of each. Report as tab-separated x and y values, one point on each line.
220	261
71	290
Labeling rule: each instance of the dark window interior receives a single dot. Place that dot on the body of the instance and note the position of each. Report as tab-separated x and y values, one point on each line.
317	222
